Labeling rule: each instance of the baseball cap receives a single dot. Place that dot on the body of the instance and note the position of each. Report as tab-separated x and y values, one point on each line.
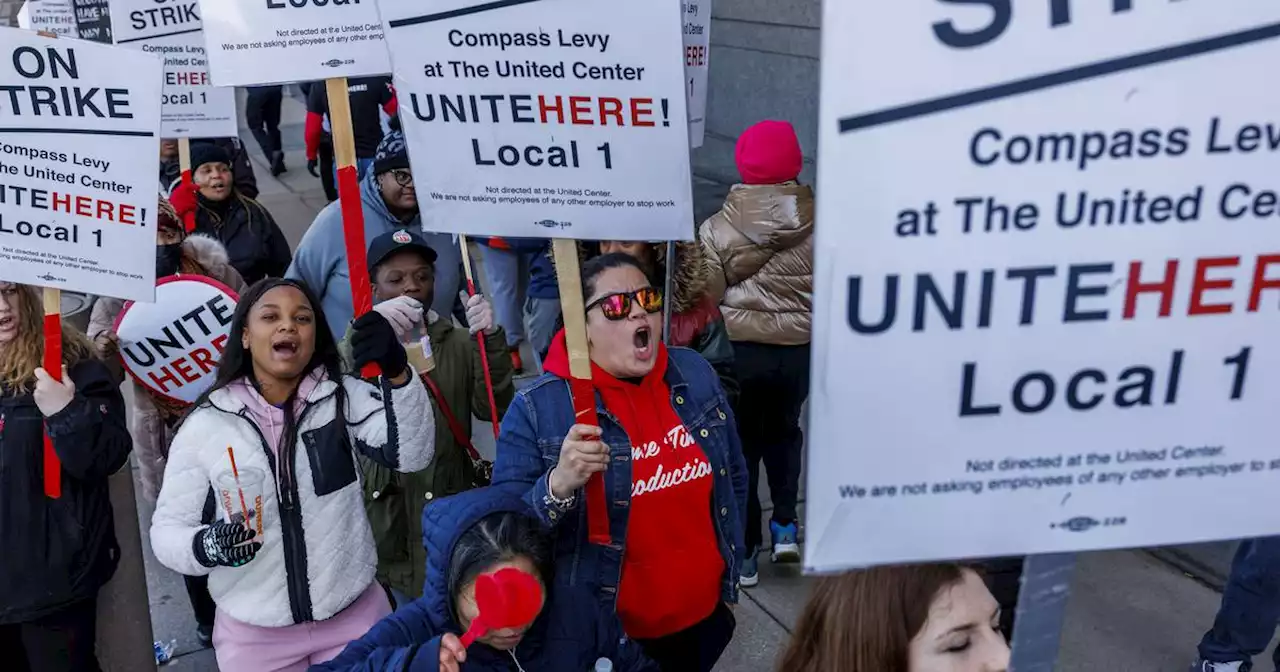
399	240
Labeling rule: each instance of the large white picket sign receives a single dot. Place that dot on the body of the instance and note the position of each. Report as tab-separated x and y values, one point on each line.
193	107
557	118
697	50
1048	270
51	16
281	41
173	346
78	150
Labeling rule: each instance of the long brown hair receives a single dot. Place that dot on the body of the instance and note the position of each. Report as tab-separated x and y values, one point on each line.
20	358
863	621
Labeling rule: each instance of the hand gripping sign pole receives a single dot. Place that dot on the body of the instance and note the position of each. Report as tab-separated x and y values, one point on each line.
484	355
573	308
344	152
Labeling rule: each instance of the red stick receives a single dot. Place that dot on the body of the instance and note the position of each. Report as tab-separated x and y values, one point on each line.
235	473
484	363
584	410
52	365
357	255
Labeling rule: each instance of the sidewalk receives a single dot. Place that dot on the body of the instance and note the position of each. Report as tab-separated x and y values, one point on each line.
1131	611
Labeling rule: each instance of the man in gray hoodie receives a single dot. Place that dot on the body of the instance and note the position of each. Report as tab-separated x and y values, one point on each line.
389	202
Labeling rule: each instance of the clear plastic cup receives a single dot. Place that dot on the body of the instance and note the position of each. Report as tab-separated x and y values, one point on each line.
242	498
418	348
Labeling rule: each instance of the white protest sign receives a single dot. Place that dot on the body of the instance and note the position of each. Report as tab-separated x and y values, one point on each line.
1049	279
697	47
78	150
281	41
173	346
193	107
545	118
51	16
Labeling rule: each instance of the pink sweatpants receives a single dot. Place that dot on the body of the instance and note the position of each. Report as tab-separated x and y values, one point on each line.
241	647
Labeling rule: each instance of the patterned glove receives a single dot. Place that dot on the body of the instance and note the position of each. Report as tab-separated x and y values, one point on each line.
223	545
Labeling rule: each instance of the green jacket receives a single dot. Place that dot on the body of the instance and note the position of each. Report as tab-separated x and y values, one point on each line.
393	501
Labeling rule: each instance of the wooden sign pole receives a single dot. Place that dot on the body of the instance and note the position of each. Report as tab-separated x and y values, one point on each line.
484	355
344	152
569	277
52	300
53	366
184	158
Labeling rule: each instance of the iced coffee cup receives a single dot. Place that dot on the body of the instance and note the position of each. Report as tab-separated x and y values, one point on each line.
419	351
241	498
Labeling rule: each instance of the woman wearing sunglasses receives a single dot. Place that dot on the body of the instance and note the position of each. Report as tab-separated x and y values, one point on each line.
668	450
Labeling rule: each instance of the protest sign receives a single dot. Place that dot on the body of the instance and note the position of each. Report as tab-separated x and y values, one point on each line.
1048	274
281	41
172	347
78	152
51	16
697	48
193	107
545	118
93	20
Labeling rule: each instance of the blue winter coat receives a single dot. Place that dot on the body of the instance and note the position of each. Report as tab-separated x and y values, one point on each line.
529	448
572	632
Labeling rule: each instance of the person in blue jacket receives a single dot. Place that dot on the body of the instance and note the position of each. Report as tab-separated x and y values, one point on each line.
480	532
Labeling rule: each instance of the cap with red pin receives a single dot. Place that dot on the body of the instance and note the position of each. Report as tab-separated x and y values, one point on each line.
508	598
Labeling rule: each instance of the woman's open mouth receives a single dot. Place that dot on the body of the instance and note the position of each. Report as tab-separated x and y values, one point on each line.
7	322
644	343
286	349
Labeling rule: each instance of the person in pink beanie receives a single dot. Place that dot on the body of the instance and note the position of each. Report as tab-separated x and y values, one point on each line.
761	246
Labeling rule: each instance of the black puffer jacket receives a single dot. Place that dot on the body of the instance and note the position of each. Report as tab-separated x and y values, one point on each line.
59	551
254	242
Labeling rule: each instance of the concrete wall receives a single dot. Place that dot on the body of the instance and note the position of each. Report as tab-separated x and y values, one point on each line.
764	65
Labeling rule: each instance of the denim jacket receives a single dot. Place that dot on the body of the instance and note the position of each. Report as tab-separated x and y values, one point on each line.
529	447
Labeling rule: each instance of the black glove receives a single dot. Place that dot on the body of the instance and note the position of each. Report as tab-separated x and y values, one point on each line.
313	167
220	544
373	340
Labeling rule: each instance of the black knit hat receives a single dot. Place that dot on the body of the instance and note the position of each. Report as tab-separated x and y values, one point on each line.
207	152
392	154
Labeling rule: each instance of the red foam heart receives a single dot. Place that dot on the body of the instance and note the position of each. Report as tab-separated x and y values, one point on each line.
508	598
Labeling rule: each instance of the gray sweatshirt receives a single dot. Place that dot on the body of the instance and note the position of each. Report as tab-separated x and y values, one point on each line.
321	258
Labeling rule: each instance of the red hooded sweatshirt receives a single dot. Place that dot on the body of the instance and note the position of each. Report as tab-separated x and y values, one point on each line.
672	567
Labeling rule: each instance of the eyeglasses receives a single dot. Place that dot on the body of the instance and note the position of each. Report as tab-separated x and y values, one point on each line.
403	178
618	306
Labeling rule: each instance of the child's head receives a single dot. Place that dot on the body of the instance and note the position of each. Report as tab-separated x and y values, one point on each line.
906	618
498	541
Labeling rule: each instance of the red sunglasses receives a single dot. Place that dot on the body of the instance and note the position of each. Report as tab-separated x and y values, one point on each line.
618	306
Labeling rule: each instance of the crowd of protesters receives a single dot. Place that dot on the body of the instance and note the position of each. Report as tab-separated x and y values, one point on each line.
382	530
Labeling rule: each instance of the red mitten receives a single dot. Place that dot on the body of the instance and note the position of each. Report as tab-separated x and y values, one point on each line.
185	200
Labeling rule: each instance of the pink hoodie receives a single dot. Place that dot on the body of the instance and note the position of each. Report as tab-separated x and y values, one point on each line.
270	418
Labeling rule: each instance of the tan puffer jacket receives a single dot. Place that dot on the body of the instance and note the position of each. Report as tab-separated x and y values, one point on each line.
762	242
151	436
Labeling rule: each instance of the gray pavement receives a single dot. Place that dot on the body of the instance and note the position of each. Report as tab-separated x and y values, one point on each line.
1139	611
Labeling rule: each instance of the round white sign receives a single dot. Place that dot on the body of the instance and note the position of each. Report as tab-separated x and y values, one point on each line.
172	346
